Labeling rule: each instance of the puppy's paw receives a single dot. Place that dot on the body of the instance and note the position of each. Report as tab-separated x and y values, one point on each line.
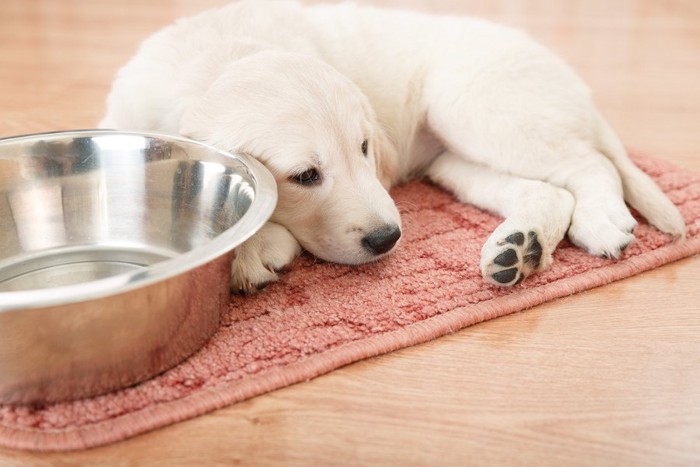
602	233
259	258
600	237
510	255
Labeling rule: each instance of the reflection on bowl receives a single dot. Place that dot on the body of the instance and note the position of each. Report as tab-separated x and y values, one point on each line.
115	255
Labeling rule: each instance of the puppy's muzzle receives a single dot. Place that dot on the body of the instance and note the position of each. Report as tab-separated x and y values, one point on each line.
381	240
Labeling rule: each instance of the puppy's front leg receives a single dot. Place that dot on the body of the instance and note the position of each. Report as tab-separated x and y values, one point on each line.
260	257
537	216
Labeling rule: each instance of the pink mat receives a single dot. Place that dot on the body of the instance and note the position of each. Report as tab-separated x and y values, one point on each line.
322	316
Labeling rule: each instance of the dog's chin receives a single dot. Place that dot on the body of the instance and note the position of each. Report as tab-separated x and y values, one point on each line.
351	258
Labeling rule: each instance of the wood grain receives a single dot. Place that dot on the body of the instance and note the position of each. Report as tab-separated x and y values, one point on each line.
607	377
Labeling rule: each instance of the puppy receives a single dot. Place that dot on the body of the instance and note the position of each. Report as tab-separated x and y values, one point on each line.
341	102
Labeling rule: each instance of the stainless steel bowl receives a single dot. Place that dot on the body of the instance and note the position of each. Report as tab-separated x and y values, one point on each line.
115	255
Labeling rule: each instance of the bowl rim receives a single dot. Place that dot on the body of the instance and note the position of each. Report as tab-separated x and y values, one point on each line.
258	213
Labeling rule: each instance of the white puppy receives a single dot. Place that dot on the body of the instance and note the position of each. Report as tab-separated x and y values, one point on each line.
341	102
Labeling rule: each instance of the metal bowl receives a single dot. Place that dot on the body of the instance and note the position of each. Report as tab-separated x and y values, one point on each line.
115	255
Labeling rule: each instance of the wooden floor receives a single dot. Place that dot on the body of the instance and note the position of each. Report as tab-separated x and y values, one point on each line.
607	377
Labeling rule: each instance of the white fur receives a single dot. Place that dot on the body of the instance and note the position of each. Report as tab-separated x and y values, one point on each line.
479	108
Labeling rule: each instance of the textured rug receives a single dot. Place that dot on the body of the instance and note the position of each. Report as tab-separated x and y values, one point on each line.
321	316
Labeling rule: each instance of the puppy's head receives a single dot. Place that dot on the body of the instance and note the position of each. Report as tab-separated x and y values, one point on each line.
316	132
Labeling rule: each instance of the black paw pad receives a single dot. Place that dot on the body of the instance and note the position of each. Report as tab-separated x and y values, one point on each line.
507	258
533	255
520	279
516	238
505	276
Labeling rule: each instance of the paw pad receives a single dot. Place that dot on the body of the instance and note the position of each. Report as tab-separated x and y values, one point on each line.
517	256
517	238
505	276
507	258
533	255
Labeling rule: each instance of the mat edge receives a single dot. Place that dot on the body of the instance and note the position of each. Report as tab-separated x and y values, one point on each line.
165	414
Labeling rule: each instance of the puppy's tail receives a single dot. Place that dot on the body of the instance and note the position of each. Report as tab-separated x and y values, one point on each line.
640	191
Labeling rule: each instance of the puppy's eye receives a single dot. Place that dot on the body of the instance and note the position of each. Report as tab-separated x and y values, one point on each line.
365	145
307	177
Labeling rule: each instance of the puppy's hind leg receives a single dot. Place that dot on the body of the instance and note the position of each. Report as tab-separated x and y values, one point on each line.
541	127
601	223
537	216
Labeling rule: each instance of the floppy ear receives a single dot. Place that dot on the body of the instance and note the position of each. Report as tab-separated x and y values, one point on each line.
224	113
207	117
387	160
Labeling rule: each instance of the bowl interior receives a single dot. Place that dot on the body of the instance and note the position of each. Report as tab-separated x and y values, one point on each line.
83	206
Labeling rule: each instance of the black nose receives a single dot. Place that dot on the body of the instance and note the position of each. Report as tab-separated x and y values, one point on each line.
381	240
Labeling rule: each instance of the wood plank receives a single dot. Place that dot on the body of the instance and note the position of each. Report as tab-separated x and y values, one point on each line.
607	377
